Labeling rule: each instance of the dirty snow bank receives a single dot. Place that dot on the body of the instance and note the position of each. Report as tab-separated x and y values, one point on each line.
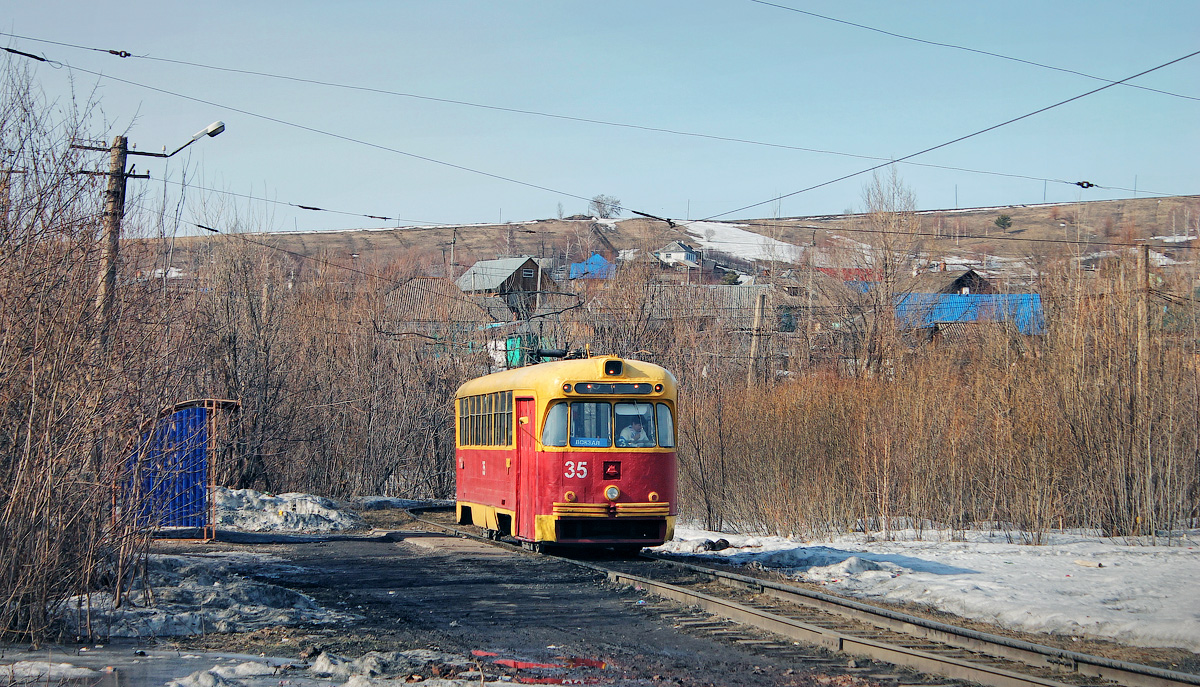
43	671
252	511
1073	585
189	595
419	667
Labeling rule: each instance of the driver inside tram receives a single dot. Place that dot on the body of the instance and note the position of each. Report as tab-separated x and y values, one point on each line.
635	434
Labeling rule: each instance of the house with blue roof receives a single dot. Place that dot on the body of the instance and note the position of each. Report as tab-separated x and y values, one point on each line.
938	311
595	267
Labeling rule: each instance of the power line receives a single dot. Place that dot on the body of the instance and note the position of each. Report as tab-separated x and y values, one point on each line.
342	137
312	208
957	140
575	118
924	234
969	49
350	139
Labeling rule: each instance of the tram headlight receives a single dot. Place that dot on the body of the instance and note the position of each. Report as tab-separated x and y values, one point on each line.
569	497
652	496
611	492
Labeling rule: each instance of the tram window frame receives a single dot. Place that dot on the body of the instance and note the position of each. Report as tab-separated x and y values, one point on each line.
666	430
557	421
589	412
486	419
647	418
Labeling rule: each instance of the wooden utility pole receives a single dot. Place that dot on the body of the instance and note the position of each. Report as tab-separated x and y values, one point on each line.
5	195
1142	427
114	211
1143	325
752	371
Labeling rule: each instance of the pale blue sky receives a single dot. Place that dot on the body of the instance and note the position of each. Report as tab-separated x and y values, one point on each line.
733	69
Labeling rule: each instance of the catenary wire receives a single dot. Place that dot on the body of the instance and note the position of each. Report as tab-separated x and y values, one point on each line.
342	137
411	282
626	125
361	142
956	140
968	49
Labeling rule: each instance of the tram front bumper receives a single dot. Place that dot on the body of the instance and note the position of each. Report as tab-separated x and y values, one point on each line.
607	523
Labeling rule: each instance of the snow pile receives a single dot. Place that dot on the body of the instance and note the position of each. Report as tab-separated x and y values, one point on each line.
227	676
189	595
415	667
252	511
389	664
43	671
1073	585
730	238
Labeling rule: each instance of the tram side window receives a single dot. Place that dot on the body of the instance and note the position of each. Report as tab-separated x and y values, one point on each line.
666	426
486	420
555	431
591	424
506	439
635	424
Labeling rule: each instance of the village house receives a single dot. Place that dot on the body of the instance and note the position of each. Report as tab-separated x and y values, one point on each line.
520	282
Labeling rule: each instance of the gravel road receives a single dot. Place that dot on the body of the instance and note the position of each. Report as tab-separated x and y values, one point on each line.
521	615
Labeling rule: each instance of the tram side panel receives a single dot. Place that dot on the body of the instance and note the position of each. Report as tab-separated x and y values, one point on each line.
486	488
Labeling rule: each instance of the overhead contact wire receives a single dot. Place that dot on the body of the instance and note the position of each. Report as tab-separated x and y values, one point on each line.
964	48
957	140
573	118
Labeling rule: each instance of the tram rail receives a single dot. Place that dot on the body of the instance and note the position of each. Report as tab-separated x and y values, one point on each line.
859	629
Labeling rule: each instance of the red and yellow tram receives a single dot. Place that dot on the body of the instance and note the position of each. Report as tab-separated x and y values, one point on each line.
572	452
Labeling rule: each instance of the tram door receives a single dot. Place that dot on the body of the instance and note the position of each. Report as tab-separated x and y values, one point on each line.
527	481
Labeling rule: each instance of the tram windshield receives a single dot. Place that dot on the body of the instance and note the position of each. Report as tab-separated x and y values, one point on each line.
591	424
635	424
601	424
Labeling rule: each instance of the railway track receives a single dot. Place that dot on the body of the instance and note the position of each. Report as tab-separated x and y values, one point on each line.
781	619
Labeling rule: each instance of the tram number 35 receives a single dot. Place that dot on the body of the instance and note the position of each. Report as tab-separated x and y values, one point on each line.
575	469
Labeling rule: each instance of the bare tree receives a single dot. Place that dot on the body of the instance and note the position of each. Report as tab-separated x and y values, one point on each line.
604	207
878	271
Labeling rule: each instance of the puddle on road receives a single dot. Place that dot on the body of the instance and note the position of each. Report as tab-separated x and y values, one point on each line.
118	665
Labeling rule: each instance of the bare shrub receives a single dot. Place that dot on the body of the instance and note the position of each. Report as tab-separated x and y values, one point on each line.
70	403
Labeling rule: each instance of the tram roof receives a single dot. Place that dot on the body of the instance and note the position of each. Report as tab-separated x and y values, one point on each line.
547	378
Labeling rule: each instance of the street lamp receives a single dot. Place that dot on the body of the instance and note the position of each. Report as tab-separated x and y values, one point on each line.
211	130
114	210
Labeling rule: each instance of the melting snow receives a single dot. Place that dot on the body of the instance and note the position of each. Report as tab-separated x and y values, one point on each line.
44	671
247	510
1073	585
732	239
189	595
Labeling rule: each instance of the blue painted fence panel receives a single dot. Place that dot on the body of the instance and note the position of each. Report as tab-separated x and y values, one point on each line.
169	471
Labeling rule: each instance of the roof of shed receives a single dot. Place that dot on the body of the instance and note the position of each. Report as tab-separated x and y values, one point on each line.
487	275
942	282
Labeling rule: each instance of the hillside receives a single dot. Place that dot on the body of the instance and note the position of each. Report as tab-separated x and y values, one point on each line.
967	236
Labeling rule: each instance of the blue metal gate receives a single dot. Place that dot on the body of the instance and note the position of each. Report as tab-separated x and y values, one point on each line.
170	476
